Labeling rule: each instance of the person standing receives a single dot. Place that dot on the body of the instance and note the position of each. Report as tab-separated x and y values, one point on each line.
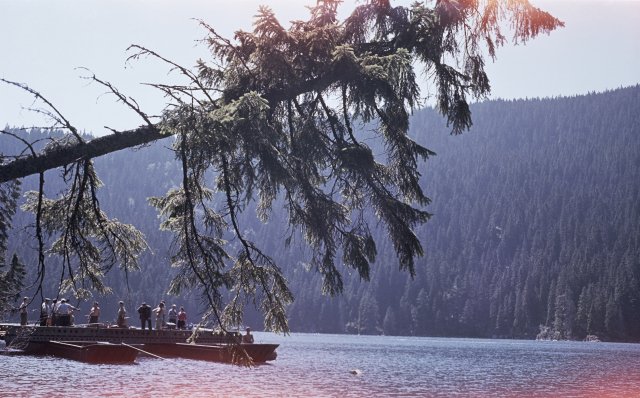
54	312
145	315
159	310
50	320
182	319
94	313
173	316
64	313
247	338
45	310
122	316
23	311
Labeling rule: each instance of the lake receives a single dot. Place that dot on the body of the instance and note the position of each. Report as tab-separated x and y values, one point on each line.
322	365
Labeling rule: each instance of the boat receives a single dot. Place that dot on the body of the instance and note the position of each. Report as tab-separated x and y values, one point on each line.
16	335
83	351
205	344
232	353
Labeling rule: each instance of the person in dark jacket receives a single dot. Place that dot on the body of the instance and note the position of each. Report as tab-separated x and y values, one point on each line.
247	338
145	315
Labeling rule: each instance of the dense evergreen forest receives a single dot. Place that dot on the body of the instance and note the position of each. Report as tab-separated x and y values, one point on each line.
535	229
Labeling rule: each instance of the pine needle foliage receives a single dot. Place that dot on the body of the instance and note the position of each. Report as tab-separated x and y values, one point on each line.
11	273
278	113
88	242
275	114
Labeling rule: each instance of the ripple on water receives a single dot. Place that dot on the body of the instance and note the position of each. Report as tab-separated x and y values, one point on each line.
322	366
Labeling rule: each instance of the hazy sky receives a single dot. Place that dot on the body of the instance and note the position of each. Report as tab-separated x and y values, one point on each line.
43	42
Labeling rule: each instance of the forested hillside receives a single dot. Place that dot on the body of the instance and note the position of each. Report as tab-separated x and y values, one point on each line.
536	223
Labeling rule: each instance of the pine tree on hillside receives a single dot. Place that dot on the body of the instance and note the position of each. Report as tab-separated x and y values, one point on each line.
12	274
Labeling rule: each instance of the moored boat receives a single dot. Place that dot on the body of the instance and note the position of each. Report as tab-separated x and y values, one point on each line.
89	352
17	335
206	344
231	353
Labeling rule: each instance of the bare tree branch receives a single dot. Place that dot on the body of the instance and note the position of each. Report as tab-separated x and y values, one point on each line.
58	117
130	102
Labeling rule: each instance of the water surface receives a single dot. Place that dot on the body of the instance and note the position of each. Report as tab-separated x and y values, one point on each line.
317	365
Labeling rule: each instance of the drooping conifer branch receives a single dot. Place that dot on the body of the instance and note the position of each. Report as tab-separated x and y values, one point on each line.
260	118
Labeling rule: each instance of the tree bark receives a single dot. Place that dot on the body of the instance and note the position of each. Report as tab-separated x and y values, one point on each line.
64	155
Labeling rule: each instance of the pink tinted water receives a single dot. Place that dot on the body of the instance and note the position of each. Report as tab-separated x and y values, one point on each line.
311	365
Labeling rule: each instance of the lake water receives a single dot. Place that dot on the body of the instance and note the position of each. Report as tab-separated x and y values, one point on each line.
317	365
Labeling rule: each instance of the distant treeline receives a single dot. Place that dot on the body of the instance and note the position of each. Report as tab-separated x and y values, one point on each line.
536	225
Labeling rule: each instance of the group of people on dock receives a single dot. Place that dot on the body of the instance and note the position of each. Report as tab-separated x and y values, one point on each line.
55	312
171	319
60	313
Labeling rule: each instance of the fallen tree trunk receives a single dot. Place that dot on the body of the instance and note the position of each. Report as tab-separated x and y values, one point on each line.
63	155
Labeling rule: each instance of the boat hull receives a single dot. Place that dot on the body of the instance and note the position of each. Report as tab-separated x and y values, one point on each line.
15	335
206	346
229	353
88	352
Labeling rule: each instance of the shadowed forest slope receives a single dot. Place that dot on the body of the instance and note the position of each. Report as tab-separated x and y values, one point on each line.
536	226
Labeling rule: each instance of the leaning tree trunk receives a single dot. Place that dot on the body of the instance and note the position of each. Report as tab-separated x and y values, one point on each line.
63	155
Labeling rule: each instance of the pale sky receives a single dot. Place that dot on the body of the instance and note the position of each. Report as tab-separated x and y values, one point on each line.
43	42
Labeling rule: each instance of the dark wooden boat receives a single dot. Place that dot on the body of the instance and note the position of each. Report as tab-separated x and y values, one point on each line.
230	353
89	352
16	335
209	346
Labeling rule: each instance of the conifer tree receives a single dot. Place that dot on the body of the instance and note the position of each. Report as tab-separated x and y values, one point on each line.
11	275
275	114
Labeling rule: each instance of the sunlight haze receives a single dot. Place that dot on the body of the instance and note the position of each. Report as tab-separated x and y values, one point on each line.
44	43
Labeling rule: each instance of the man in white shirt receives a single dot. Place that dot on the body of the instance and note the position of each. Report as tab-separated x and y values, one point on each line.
94	313
64	312
23	311
45	309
